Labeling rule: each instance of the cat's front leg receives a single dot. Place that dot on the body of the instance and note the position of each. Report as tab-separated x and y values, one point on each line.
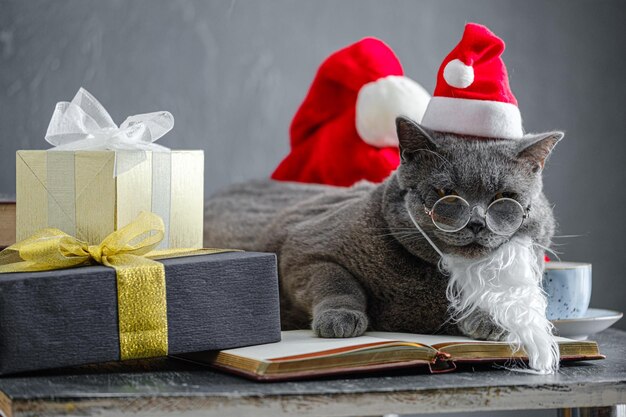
338	302
479	325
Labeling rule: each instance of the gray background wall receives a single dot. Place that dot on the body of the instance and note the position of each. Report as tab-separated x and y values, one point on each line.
233	74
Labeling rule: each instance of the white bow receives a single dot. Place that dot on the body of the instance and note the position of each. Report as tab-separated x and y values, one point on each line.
84	124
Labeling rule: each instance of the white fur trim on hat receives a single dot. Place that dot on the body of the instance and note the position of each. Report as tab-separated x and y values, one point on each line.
492	119
381	101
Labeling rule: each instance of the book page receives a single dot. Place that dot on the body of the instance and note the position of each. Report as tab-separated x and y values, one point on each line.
438	339
300	342
425	339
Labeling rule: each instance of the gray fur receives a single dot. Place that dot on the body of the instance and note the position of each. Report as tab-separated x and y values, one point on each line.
350	258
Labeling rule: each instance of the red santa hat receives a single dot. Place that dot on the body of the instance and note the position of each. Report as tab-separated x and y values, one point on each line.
344	131
472	96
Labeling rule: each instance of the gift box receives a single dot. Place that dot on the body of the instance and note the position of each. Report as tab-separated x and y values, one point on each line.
98	177
77	192
70	316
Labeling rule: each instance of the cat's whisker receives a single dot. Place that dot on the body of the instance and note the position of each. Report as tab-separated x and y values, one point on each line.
550	251
410	232
396	233
450	320
407	241
393	232
401	231
411	239
390	228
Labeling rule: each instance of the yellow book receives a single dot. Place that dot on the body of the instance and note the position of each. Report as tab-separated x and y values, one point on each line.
300	354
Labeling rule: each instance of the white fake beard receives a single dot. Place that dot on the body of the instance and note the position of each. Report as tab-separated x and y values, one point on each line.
507	286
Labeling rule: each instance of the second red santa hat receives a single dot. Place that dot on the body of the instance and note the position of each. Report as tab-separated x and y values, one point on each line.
344	131
472	96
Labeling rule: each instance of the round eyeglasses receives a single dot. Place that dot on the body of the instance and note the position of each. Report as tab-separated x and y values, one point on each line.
452	213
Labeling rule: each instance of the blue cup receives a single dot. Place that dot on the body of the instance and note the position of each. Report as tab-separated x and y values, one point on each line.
568	286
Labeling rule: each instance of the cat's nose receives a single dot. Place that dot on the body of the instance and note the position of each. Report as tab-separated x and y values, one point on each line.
476	225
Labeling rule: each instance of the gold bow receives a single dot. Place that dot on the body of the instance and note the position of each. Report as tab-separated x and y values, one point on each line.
142	303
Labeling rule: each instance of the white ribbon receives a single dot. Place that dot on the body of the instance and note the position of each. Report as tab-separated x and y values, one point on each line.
84	124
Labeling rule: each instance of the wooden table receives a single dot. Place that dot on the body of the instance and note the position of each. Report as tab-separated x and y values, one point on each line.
168	387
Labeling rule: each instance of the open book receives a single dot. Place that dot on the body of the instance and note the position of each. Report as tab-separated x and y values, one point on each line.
300	354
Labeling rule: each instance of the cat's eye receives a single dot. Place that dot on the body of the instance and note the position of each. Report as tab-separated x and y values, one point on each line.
443	192
505	194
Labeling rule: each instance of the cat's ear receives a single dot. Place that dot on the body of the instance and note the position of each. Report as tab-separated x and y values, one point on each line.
413	138
536	148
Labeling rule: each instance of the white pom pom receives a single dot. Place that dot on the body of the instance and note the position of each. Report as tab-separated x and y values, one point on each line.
458	75
380	102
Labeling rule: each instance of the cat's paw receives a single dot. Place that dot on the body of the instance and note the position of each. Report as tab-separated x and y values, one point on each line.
339	322
480	326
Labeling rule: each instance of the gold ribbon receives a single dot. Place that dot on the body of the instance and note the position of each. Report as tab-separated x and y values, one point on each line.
141	296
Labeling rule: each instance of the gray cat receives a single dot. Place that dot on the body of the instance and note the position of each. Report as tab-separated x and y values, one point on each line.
351	259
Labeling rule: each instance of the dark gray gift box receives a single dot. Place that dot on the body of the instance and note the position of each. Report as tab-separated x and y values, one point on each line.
68	317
